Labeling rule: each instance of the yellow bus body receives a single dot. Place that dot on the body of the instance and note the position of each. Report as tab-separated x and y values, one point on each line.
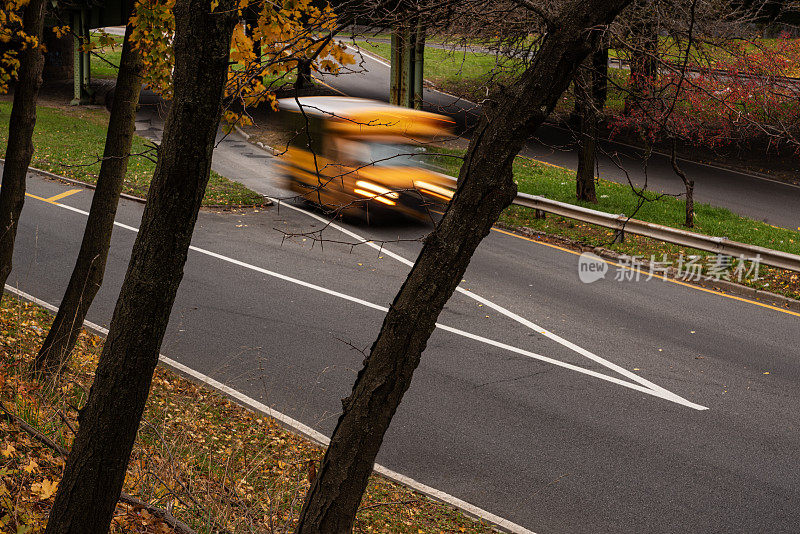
354	155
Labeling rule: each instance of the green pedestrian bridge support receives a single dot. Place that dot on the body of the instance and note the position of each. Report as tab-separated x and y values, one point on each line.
407	56
82	17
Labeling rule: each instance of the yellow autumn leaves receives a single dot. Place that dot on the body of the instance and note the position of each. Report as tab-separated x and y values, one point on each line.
24	484
11	31
153	30
279	36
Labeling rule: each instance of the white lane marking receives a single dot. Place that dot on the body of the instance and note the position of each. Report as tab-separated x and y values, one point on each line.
660	392
303	429
656	391
367	54
508	313
385	64
513	316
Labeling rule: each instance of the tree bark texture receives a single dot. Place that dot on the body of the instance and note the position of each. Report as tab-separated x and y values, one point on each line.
590	98
304	79
19	150
87	276
584	178
485	188
643	63
96	466
688	185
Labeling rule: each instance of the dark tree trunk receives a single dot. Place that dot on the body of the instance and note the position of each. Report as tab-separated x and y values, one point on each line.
643	65
304	79
688	185
96	465
19	150
590	99
251	24
485	188
600	77
87	276
585	189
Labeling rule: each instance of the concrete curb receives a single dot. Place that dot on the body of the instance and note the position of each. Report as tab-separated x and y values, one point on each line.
498	523
73	181
259	144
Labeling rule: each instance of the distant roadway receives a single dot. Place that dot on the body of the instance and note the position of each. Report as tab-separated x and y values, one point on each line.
760	198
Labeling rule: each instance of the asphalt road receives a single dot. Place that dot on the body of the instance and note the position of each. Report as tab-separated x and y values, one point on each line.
759	198
564	407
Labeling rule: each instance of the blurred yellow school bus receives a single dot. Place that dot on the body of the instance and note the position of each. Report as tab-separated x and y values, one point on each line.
352	155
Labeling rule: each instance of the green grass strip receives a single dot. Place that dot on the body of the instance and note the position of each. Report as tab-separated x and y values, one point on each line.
558	183
69	141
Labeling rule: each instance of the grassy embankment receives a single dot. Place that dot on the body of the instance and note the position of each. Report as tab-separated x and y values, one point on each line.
69	141
104	61
558	183
216	465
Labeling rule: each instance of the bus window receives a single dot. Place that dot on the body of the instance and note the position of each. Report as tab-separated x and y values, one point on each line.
395	154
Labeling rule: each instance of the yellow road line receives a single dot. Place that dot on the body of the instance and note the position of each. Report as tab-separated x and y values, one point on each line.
327	85
667	279
62	195
52	200
549	164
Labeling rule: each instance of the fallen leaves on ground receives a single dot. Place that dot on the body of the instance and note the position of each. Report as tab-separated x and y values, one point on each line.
212	463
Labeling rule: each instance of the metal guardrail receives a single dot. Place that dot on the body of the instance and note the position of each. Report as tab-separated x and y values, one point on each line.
621	223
